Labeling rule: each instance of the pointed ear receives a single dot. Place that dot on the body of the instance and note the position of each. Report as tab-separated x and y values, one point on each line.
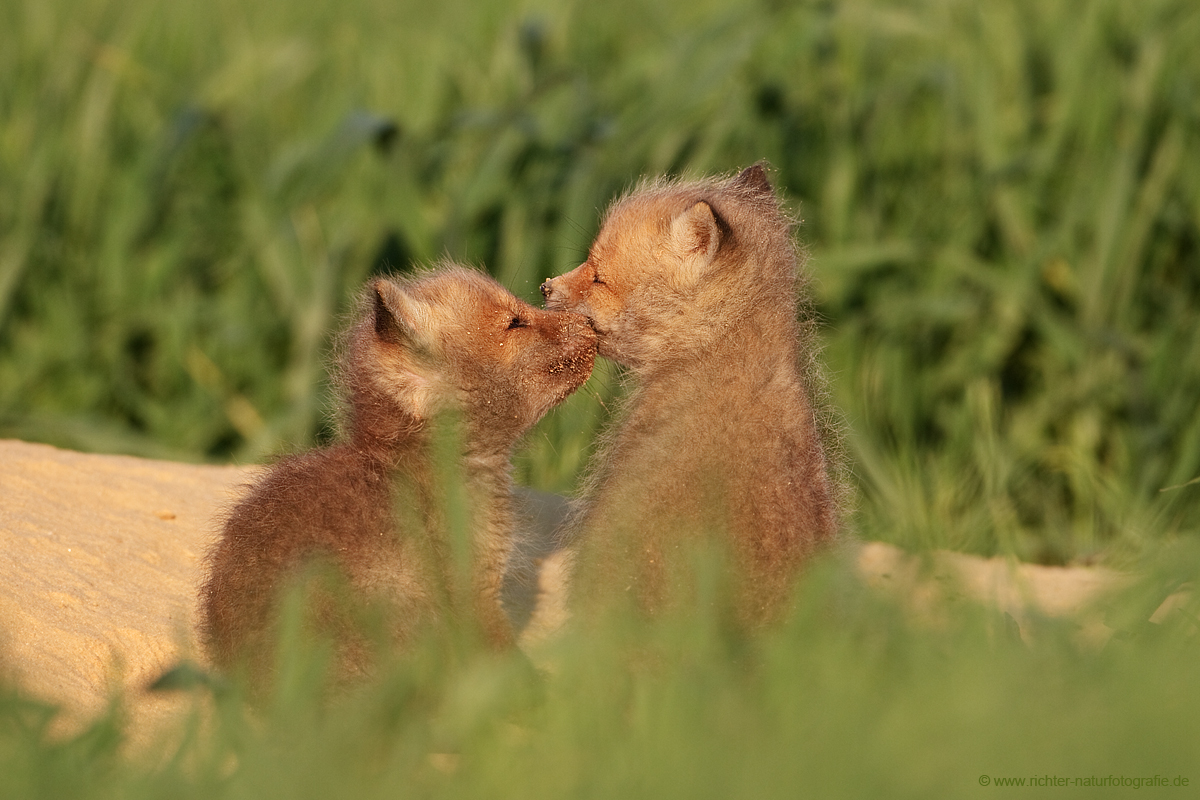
400	319
695	232
753	179
398	316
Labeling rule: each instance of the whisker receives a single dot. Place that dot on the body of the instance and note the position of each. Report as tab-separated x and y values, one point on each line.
596	396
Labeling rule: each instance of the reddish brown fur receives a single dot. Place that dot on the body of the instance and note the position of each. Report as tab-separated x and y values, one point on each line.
372	506
695	286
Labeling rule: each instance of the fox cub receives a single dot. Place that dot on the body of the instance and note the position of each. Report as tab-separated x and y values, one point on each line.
373	507
695	287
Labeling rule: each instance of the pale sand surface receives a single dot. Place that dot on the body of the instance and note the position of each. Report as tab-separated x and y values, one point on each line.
101	558
927	585
99	567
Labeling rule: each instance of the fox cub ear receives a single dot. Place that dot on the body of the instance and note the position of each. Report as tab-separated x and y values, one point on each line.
398	317
753	179
696	235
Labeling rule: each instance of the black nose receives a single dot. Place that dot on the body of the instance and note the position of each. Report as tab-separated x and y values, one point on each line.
546	289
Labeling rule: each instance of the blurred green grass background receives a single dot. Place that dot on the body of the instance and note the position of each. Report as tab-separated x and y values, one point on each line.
1001	203
1001	207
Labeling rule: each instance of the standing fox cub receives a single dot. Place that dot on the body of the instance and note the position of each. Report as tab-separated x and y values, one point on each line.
694	286
373	508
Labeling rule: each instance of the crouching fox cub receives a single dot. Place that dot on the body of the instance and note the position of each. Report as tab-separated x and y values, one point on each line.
695	287
374	506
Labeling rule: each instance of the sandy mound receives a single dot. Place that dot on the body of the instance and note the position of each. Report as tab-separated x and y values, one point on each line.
99	567
930	584
101	559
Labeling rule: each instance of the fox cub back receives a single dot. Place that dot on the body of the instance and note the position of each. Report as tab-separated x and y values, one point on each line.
695	286
372	508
